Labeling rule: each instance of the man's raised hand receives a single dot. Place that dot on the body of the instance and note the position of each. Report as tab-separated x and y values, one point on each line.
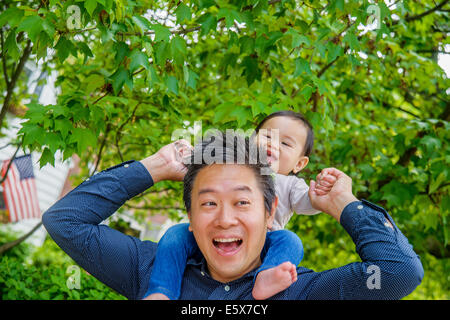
167	163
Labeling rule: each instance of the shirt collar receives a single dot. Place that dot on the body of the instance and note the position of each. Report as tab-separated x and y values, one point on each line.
199	262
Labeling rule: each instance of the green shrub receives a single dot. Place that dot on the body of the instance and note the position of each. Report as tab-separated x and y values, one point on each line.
45	276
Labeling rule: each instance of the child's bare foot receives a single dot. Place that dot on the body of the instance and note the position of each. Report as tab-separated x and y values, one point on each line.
156	296
271	281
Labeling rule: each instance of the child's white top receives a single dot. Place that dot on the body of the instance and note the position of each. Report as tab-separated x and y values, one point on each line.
293	197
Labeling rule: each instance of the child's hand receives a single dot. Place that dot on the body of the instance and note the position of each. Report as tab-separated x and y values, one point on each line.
325	182
340	195
183	151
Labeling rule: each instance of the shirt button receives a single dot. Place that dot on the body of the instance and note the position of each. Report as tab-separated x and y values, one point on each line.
360	207
227	288
203	274
126	165
87	179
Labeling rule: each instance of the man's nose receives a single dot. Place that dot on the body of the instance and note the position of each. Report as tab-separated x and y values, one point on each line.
226	217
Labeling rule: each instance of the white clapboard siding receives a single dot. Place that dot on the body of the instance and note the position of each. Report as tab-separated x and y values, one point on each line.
49	182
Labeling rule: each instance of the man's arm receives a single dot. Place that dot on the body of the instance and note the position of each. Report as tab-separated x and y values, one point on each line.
390	269
122	262
74	224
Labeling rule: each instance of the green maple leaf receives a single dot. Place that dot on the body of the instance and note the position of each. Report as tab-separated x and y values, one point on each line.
183	13
47	157
121	77
208	22
12	16
251	70
301	65
161	33
32	25
138	59
90	6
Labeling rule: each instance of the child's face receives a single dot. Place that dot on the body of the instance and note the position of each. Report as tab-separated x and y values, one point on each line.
285	139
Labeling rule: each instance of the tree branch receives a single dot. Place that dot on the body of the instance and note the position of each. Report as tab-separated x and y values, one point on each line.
101	97
138	71
420	16
5	73
10	163
14	243
445	115
118	132
99	155
326	67
83	30
154	192
443	185
180	31
387	105
119	152
12	83
423	14
250	7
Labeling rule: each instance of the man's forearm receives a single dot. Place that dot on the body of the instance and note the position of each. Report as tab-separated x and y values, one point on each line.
156	166
390	268
339	205
166	164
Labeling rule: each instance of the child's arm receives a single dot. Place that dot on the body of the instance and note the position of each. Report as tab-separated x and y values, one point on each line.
282	252
174	248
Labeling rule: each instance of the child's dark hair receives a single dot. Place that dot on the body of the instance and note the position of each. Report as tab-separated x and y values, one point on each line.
296	116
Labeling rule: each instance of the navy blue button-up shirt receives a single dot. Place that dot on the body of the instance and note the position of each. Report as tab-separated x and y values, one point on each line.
390	269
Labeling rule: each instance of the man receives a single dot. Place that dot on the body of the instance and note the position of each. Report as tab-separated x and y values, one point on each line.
245	197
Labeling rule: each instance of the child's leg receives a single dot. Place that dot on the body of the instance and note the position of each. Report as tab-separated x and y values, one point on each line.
174	248
283	252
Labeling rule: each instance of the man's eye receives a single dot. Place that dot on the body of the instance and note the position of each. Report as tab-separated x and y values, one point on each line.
243	203
286	144
208	204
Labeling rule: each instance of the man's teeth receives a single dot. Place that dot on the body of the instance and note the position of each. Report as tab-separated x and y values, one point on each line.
227	240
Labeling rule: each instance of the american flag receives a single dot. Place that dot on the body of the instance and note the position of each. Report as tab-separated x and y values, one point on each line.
19	189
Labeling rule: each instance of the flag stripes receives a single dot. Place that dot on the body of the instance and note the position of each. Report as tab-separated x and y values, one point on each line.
19	189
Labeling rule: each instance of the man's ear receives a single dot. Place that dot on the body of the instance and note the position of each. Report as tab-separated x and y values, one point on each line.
189	217
272	213
302	162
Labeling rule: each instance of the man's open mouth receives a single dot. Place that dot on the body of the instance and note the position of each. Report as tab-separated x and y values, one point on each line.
227	246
